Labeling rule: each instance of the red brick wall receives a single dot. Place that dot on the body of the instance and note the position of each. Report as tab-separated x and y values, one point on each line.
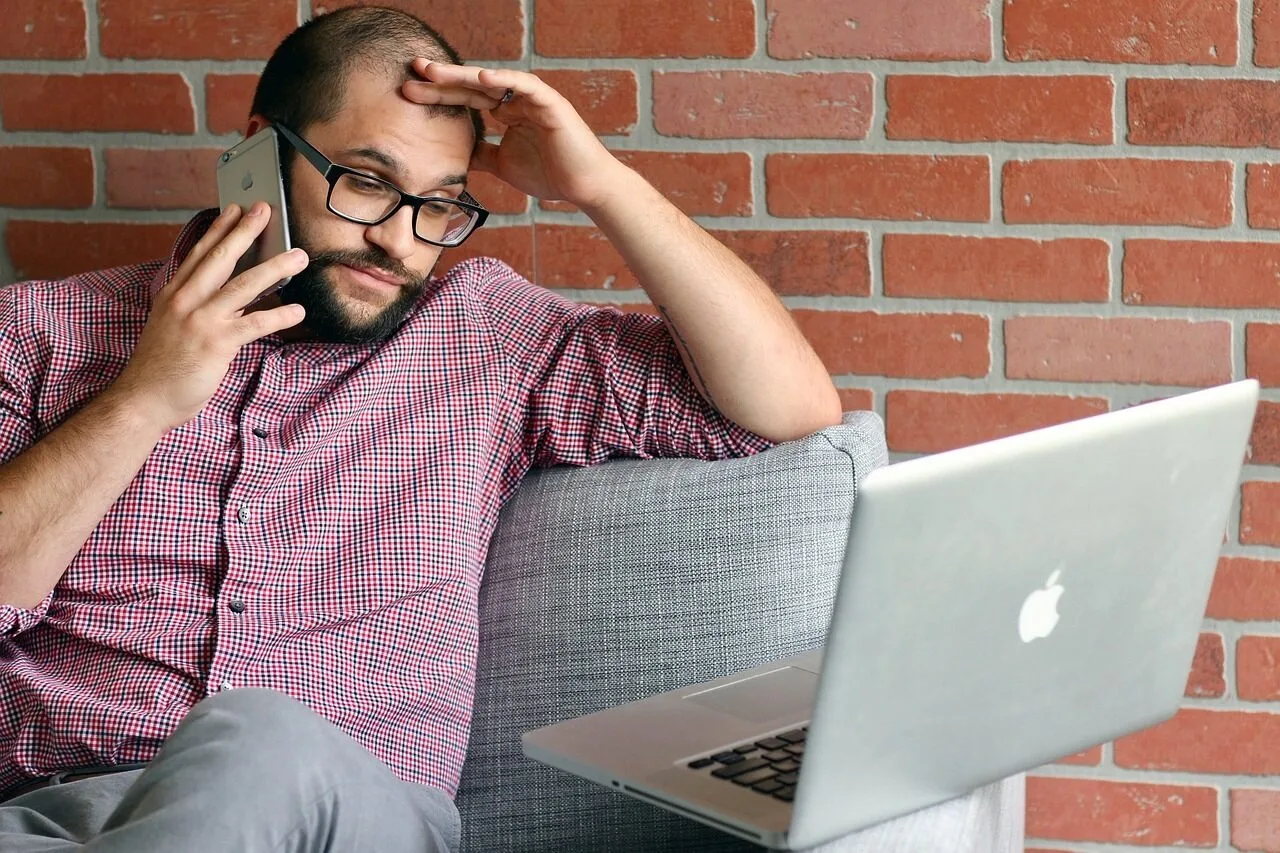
988	216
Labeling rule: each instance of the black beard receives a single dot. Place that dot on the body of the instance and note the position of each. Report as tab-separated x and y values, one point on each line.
327	320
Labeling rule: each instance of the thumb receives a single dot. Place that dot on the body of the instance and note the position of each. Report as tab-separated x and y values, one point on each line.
485	157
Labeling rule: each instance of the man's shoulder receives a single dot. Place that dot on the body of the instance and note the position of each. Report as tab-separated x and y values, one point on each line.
125	286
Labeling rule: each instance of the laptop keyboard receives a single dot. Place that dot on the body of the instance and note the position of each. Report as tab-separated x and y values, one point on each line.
768	766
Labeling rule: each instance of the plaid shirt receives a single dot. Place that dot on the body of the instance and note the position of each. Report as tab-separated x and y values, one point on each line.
321	526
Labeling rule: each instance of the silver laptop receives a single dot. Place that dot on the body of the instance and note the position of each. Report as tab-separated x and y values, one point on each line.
1000	606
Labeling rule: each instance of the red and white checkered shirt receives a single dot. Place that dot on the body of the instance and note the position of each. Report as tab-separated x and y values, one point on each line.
320	528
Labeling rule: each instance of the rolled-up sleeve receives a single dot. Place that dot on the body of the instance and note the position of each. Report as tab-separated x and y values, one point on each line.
17	430
599	382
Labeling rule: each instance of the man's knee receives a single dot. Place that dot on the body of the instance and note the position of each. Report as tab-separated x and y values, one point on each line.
262	725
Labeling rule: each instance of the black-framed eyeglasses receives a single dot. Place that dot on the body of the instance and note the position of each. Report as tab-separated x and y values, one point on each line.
360	197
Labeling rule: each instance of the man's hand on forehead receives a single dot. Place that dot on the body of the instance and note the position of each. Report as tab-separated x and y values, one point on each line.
546	151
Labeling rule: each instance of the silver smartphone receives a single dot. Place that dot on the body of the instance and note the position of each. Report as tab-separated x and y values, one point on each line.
248	172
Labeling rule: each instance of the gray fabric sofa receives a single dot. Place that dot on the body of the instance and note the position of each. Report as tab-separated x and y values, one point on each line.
611	583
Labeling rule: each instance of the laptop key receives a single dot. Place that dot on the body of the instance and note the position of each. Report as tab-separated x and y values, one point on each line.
796	749
793	736
786	778
788	793
776	755
746	750
727	757
754	776
731	770
789	766
771	743
699	763
768	786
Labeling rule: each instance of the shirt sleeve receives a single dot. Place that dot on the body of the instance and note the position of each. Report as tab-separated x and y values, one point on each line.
599	382
17	432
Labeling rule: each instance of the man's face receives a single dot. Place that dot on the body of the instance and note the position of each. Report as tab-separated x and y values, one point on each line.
362	280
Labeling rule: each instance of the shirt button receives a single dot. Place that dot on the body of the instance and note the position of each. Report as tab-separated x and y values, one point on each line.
236	605
226	685
243	514
260	432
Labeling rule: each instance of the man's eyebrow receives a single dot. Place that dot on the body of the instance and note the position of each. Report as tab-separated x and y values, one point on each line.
395	167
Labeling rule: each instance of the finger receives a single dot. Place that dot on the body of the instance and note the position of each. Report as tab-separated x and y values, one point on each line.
485	157
492	81
219	262
259	324
242	290
421	92
218	229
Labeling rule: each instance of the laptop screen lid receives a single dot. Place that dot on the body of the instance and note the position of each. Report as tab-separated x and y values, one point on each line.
1009	603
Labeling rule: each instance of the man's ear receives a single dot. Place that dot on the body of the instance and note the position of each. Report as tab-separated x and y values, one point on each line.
256	123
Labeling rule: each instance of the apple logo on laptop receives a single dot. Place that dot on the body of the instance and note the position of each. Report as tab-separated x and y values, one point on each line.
1039	614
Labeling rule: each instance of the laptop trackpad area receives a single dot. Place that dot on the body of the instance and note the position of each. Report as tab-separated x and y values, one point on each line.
761	698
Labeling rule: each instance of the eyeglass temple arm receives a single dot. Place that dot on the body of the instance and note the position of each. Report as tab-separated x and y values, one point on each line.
305	148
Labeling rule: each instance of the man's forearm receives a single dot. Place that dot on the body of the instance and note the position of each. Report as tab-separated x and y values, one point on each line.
738	341
53	495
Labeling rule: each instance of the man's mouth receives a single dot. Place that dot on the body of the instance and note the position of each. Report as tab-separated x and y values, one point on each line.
376	275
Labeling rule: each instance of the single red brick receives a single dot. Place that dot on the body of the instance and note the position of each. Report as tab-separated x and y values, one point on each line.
1000	108
476	29
1118	192
1198	740
1245	590
920	346
43	29
606	98
1262	353
1255	820
1207	679
699	183
46	177
1118	349
194	29
1201	273
1006	269
1257	672
512	244
1262	194
692	29
933	421
495	194
805	263
1121	812
1091	757
228	99
146	179
1260	513
1148	32
856	399
871	29
1264	444
156	103
880	186
52	250
579	257
762	104
1223	113
1266	33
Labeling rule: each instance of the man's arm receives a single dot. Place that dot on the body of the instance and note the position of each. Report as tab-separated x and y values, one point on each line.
56	492
738	342
742	349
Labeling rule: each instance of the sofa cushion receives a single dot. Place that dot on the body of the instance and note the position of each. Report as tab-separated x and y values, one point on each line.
614	582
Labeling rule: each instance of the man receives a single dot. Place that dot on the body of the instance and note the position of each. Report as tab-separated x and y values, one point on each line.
240	542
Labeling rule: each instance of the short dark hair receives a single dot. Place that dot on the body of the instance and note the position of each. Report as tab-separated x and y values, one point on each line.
304	81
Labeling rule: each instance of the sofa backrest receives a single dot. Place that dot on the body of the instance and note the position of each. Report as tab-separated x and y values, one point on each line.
614	582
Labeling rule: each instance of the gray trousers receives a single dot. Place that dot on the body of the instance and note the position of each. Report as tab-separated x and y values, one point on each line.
248	770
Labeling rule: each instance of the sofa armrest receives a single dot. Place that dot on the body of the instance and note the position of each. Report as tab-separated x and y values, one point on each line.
610	583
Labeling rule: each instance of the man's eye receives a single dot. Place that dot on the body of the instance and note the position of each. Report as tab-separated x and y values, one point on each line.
439	208
366	185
